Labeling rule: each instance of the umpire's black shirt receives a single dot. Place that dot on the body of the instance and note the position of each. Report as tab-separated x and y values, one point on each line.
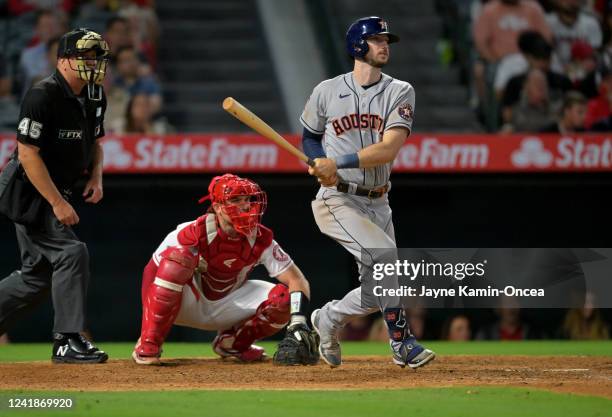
64	126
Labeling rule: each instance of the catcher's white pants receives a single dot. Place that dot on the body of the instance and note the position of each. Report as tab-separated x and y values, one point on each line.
231	310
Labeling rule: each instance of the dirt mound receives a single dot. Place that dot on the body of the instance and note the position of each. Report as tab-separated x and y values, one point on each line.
576	374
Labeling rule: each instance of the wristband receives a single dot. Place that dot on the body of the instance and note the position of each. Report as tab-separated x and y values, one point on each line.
348	161
299	303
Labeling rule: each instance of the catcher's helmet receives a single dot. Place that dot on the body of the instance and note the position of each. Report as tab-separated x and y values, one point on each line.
360	30
245	213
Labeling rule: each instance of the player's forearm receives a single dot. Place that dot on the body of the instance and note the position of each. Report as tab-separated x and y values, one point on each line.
38	174
382	152
98	162
377	154
295	280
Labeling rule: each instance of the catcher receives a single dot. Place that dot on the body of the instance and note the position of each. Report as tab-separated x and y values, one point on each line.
197	277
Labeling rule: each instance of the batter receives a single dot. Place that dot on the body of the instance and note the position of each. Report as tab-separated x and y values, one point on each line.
354	126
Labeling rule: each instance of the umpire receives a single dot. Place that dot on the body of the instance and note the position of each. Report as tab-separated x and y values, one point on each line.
61	120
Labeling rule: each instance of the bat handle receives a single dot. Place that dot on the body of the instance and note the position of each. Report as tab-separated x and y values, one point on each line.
310	162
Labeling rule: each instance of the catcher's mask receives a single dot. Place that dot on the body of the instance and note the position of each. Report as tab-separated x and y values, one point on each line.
241	199
91	68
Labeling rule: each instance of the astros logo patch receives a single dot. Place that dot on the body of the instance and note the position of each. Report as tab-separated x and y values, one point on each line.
405	111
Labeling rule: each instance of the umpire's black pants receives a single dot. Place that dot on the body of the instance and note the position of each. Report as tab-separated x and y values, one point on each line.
53	260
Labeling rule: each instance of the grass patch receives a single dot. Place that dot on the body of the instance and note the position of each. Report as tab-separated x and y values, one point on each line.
442	402
42	351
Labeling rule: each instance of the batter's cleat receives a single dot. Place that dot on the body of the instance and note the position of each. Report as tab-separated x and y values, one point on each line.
329	348
409	352
146	353
253	353
75	348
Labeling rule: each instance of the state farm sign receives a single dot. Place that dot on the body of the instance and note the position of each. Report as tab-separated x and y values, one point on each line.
421	153
431	152
182	154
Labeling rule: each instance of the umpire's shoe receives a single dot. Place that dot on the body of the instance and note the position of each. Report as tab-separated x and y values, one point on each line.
74	348
409	352
329	348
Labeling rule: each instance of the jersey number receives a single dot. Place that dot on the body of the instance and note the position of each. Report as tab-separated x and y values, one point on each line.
29	129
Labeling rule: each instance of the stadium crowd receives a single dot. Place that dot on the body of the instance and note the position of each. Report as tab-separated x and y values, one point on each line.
535	66
506	322
29	35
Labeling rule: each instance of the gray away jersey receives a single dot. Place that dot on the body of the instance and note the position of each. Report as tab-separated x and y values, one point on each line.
351	118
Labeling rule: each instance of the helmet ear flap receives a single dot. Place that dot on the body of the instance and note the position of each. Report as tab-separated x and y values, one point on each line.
362	48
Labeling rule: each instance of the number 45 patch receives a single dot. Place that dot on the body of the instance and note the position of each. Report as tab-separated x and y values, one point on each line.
32	129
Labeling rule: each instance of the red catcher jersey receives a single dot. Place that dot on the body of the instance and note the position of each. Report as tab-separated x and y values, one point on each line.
225	261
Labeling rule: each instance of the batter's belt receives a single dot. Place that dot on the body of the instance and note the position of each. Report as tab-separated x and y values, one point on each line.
351	188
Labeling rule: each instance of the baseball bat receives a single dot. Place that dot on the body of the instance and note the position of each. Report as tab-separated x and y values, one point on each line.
233	107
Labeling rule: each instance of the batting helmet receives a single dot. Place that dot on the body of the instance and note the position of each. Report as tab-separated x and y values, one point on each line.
358	33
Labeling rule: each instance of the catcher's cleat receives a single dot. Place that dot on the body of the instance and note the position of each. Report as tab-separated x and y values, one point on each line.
75	348
253	353
146	353
409	352
329	348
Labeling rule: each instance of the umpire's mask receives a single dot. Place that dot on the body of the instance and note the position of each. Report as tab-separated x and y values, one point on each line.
88	55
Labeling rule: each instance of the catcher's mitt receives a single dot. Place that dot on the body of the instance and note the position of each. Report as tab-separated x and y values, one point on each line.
299	347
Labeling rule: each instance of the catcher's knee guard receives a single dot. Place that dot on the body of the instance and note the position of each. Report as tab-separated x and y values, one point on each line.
163	298
270	317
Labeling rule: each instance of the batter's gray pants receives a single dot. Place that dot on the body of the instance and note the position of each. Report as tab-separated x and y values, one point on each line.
357	223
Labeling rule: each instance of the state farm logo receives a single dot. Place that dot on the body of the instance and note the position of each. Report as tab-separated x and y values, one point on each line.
532	153
114	154
186	154
431	152
572	153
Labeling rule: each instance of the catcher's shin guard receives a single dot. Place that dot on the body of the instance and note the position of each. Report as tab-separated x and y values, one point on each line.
163	300
270	317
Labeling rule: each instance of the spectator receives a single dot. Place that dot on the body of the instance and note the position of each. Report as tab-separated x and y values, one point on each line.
534	111
4	339
509	325
145	26
358	329
139	117
570	24
457	329
19	7
118	34
95	15
558	85
379	331
599	108
497	29
117	102
129	78
585	323
416	320
535	53
33	63
5	80
582	70
573	114
51	59
9	111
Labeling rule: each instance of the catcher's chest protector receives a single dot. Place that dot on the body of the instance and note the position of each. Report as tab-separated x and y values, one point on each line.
226	261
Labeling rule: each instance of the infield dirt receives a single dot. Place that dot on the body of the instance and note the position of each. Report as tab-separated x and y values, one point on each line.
576	374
